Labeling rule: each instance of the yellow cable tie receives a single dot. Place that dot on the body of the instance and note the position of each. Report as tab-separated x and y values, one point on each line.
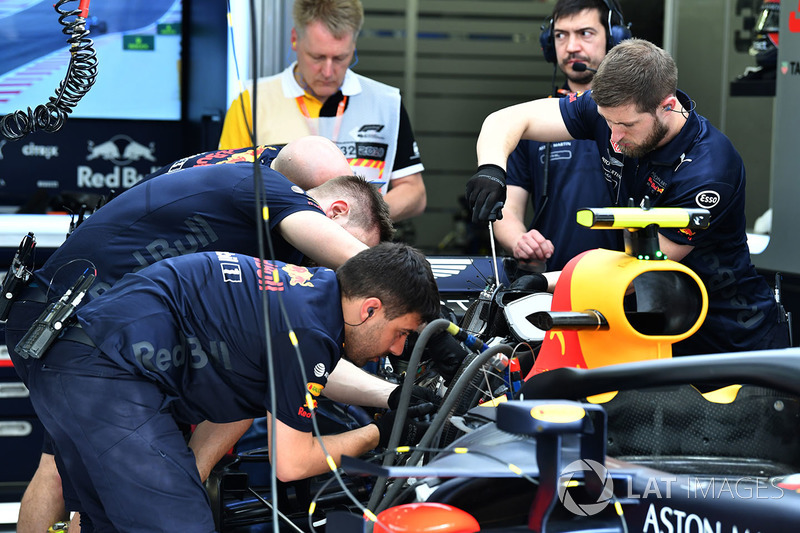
275	277
370	515
403	449
309	402
618	507
331	463
460	450
514	468
265	213
312	507
293	337
230	19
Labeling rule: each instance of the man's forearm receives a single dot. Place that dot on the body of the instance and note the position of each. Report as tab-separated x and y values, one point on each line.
211	441
538	120
508	230
300	455
406	197
349	384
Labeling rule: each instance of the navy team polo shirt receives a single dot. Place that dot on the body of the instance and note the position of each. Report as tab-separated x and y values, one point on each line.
698	168
266	154
192	210
575	182
194	325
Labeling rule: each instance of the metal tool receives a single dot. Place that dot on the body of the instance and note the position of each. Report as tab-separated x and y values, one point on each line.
494	254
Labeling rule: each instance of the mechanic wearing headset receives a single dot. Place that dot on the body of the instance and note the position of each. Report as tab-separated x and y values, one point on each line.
189	210
653	144
320	95
560	178
186	335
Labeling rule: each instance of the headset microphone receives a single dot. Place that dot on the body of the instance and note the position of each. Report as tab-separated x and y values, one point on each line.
582	67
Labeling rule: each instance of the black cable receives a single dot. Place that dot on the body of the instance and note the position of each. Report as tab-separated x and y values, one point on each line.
81	75
537	215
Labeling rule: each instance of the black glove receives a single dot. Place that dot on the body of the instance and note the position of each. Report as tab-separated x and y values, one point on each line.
486	193
413	430
446	353
418	395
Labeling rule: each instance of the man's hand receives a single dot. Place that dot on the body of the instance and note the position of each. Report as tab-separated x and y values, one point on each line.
443	349
412	431
486	193
418	395
446	353
532	246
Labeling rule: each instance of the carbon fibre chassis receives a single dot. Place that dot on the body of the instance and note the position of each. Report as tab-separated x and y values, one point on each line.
481	482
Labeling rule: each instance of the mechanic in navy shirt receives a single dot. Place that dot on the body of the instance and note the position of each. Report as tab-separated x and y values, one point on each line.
308	161
186	335
652	143
560	178
195	209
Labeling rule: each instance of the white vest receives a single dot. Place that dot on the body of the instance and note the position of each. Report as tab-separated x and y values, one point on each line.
367	131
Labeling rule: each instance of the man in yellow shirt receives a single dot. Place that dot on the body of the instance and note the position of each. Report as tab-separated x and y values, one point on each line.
320	95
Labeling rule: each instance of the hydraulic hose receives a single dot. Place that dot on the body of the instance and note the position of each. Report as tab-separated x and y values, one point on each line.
440	418
81	75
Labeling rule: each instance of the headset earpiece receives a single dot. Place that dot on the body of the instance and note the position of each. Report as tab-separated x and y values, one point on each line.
370	312
668	108
616	32
547	42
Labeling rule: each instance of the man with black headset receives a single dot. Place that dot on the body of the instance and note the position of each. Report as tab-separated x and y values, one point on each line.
560	178
656	149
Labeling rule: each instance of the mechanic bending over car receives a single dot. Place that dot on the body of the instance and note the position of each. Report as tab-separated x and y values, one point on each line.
567	176
653	144
195	209
186	338
308	161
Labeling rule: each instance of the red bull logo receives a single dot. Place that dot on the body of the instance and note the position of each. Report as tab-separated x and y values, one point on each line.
298	275
654	187
688	232
237	155
574	96
120	150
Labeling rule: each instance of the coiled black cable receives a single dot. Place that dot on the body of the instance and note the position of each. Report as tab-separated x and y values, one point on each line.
81	75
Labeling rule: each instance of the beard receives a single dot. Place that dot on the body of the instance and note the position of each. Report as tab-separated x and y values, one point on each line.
359	345
650	143
582	78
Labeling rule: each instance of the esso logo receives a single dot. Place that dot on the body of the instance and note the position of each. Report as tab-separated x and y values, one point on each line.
707	199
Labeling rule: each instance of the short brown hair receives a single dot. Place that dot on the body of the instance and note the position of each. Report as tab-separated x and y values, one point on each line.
339	16
635	72
399	275
368	208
